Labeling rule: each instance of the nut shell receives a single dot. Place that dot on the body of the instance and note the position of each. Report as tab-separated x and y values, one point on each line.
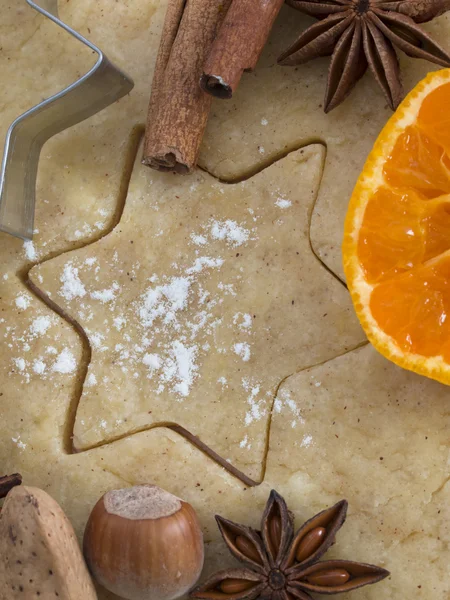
39	552
157	557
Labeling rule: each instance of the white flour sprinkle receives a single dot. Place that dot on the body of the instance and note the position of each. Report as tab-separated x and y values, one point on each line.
261	150
162	309
204	261
40	325
30	250
178	368
242	349
20	363
106	295
5	277
19	442
284	400
119	323
86	230
167	331
227	288
245	443
65	362
72	286
39	366
199	240
164	301
277	405
153	361
23	301
184	358
306	441
230	231
243	321
91	380
264	122
283	203
256	412
96	340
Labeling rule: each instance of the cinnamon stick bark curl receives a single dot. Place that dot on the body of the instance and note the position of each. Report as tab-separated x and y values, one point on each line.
238	45
178	110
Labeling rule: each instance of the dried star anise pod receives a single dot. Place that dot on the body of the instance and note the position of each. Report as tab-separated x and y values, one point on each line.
284	566
361	33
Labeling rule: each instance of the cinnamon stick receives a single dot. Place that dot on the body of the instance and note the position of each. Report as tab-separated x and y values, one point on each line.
179	109
8	482
238	45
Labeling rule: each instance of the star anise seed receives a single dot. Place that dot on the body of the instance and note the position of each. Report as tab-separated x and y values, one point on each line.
282	566
362	33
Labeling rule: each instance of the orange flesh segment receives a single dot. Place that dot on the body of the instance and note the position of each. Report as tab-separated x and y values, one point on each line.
404	240
414	308
418	163
434	116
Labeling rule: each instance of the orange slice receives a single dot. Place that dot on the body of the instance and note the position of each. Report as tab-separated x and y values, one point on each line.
397	234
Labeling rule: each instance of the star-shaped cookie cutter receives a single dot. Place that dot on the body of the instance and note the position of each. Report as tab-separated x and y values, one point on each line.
102	85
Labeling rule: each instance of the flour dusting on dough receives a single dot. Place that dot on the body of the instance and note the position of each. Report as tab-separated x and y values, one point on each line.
72	286
39	366
106	295
242	349
40	325
306	441
283	203
65	362
199	240
283	400
164	334
23	301
204	261
91	380
21	445
230	231
257	407
243	321
30	250
164	301
20	363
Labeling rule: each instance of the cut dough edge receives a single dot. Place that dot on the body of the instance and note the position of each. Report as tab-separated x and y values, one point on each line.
320	149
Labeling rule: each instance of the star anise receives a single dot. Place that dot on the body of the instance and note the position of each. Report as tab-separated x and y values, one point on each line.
361	33
284	566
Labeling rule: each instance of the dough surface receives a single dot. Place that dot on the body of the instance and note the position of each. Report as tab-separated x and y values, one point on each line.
184	303
329	419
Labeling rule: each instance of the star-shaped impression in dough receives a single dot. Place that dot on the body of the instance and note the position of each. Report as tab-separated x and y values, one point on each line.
196	306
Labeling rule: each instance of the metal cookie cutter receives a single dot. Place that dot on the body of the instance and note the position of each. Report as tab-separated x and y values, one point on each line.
97	89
